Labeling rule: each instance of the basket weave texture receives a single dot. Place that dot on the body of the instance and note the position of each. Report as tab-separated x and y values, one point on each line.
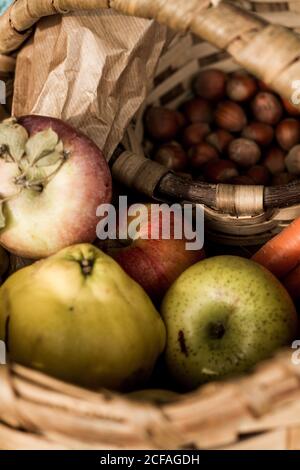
259	411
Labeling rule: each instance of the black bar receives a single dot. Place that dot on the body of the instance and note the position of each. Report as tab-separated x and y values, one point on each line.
135	459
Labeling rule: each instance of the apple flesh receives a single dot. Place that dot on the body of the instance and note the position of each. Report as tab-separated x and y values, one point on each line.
224	315
77	316
62	212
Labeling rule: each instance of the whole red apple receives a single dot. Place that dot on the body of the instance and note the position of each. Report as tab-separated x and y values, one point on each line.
52	179
155	263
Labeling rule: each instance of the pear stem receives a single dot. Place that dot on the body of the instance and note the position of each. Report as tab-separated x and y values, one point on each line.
86	266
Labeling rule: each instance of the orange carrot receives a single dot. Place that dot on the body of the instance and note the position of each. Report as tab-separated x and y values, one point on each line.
281	254
292	283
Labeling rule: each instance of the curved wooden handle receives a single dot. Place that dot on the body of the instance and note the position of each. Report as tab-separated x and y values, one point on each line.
239	203
154	180
271	52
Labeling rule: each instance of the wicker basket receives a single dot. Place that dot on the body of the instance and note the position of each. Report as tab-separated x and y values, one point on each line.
260	411
228	220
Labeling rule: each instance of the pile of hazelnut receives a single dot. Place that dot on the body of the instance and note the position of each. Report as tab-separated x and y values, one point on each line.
234	130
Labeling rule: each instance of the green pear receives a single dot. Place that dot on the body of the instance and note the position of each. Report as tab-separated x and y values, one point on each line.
223	315
79	317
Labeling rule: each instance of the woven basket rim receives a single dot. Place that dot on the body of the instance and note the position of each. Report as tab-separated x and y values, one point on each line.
254	401
263	401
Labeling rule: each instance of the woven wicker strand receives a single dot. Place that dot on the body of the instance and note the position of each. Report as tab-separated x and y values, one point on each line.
58	415
260	411
252	41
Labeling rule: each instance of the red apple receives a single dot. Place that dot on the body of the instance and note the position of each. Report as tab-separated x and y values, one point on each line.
155	263
51	198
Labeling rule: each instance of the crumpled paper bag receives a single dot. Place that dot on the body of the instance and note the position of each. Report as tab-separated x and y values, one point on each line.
93	70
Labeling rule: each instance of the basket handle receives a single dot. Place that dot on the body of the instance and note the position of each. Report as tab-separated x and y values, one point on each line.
240	200
150	178
271	52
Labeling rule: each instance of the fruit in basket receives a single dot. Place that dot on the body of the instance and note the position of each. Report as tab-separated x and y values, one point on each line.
79	317
288	133
241	87
211	84
52	179
261	133
230	116
162	124
223	315
217	116
198	110
172	156
292	161
220	171
220	139
195	133
275	160
149	258
267	108
244	152
200	154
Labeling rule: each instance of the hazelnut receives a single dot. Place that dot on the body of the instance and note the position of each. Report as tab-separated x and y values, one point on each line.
244	152
201	154
198	110
260	132
290	108
259	174
282	178
220	171
274	160
292	160
211	84
241	87
288	133
230	116
172	156
195	133
163	124
267	108
243	180
220	139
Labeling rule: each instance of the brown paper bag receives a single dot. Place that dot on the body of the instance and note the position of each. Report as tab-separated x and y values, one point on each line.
90	69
